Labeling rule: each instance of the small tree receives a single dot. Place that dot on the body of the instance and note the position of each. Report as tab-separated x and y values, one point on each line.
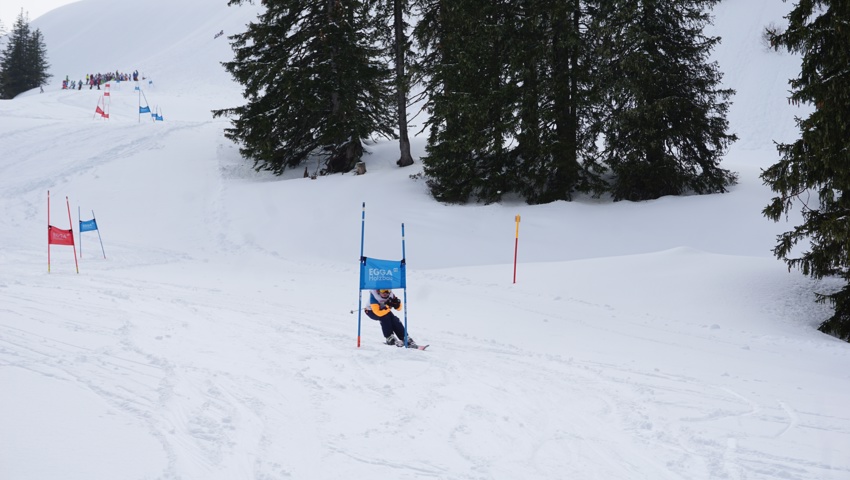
23	63
818	161
37	52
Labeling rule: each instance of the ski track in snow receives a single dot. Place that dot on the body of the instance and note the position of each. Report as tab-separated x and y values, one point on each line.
144	365
153	360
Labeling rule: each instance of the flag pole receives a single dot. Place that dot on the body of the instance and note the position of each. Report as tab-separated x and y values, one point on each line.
80	233
68	203
147	105
404	271
98	237
360	284
48	231
516	245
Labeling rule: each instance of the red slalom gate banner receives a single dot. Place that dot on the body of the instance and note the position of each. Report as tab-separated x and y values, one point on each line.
59	236
103	112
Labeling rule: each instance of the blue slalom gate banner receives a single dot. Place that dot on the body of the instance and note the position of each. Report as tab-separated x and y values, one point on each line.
376	274
88	225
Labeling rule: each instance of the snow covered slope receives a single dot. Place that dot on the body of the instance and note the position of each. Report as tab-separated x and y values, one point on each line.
216	340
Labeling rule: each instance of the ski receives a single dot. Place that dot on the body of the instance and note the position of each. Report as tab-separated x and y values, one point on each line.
418	347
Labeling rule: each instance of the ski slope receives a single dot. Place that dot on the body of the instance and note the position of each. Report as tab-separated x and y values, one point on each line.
216	340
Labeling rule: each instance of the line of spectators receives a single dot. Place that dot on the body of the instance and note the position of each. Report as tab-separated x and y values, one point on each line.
96	79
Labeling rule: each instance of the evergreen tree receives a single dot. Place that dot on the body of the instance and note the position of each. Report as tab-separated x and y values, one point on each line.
23	63
470	103
555	61
3	32
510	99
314	85
818	161
665	127
37	52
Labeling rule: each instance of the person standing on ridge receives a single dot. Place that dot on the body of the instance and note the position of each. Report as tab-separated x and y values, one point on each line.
380	303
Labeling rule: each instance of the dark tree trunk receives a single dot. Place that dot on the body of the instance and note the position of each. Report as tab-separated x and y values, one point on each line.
401	85
565	153
345	157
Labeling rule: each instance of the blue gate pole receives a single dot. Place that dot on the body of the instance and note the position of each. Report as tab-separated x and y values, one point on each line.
360	275
404	262
80	232
98	236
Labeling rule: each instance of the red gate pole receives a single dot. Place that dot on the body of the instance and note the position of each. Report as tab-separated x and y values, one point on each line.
72	235
48	231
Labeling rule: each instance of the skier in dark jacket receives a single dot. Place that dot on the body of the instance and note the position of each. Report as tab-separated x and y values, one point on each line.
381	301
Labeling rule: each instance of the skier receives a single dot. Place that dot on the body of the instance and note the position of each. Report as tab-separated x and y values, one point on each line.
379	309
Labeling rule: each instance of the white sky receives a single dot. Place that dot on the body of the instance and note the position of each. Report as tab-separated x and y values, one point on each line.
216	339
9	9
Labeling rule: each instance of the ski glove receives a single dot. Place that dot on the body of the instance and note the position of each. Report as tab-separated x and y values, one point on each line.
394	302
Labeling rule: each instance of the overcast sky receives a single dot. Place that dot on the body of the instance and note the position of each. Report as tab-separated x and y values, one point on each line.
9	9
